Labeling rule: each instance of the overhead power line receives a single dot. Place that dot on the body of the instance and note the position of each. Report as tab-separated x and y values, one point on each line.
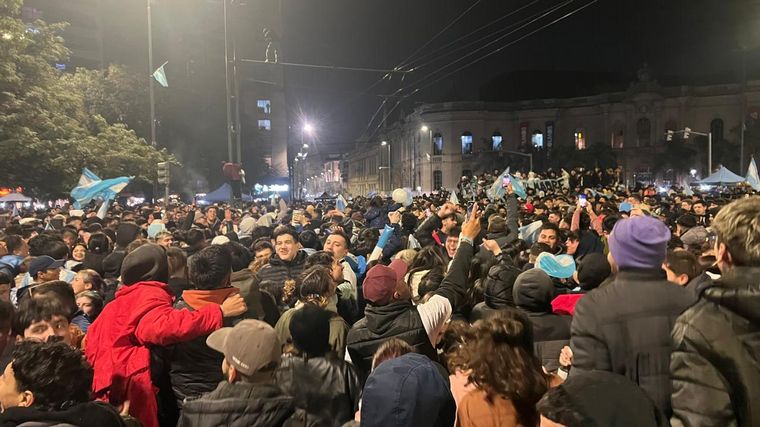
328	67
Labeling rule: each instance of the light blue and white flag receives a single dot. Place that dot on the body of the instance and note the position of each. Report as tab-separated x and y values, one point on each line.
91	187
518	188
753	179
340	203
160	75
497	191
529	233
454	198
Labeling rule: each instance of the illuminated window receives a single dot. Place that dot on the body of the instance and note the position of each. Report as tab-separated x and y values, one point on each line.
467	143
437	180
265	124
537	139
496	141
264	105
580	139
437	144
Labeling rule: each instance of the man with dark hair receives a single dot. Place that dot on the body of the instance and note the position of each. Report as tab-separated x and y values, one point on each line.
715	359
49	384
194	366
435	229
336	396
549	235
452	242
288	261
700	211
17	249
681	267
339	244
262	249
40	319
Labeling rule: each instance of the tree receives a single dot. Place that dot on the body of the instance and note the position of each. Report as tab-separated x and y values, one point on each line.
47	133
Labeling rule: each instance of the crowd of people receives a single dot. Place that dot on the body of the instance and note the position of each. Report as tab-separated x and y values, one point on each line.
588	305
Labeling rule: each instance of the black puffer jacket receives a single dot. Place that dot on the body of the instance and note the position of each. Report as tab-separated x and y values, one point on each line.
497	292
324	386
278	271
714	366
194	368
624	327
533	293
246	405
90	414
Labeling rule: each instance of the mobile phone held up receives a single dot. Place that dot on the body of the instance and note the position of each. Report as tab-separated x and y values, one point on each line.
582	200
505	182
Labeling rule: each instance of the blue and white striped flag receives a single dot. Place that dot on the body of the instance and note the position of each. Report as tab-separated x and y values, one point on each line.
340	203
518	188
160	75
529	233
91	187
753	179
497	191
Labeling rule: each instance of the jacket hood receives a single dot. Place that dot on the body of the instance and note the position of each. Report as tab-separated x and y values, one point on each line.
126	290
533	291
198	299
380	318
299	259
739	291
90	414
407	391
146	263
126	233
246	226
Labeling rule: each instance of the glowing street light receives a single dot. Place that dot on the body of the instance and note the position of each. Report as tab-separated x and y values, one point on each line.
424	128
308	128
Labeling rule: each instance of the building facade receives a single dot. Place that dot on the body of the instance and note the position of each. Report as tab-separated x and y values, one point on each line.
437	144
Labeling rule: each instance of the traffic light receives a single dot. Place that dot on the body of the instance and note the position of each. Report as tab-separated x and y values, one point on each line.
163	173
669	135
686	133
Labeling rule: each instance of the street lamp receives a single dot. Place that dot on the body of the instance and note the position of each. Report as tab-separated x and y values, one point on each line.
388	166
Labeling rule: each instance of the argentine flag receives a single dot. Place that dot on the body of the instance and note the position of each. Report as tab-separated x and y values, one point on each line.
91	187
340	203
752	177
529	233
496	191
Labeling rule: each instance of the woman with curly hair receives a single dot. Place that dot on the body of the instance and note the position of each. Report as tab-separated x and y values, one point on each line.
317	287
497	356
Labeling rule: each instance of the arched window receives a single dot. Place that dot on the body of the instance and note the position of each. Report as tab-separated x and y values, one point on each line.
580	139
496	141
537	139
618	137
716	128
437	144
644	132
437	180
466	143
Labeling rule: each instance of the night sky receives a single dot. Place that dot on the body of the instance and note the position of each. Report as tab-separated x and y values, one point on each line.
682	41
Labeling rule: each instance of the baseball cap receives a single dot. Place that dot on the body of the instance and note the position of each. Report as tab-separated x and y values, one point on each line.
380	282
44	262
248	346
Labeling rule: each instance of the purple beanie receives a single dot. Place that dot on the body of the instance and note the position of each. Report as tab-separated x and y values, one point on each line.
639	242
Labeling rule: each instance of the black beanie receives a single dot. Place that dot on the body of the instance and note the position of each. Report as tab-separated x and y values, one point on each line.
146	263
310	329
593	269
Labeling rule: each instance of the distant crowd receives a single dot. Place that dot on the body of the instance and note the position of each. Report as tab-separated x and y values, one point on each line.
580	304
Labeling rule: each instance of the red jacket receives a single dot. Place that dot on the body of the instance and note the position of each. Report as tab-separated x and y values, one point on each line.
119	339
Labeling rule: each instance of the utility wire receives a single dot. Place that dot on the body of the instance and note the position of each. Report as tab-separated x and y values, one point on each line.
492	42
327	67
409	64
481	58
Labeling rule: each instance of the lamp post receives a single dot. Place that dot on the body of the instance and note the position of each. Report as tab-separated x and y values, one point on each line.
151	91
686	133
388	166
429	131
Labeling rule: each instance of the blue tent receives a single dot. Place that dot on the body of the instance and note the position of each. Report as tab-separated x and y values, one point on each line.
223	194
722	176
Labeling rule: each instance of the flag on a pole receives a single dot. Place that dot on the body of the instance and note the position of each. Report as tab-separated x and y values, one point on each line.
496	191
91	187
160	75
340	203
753	179
454	198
